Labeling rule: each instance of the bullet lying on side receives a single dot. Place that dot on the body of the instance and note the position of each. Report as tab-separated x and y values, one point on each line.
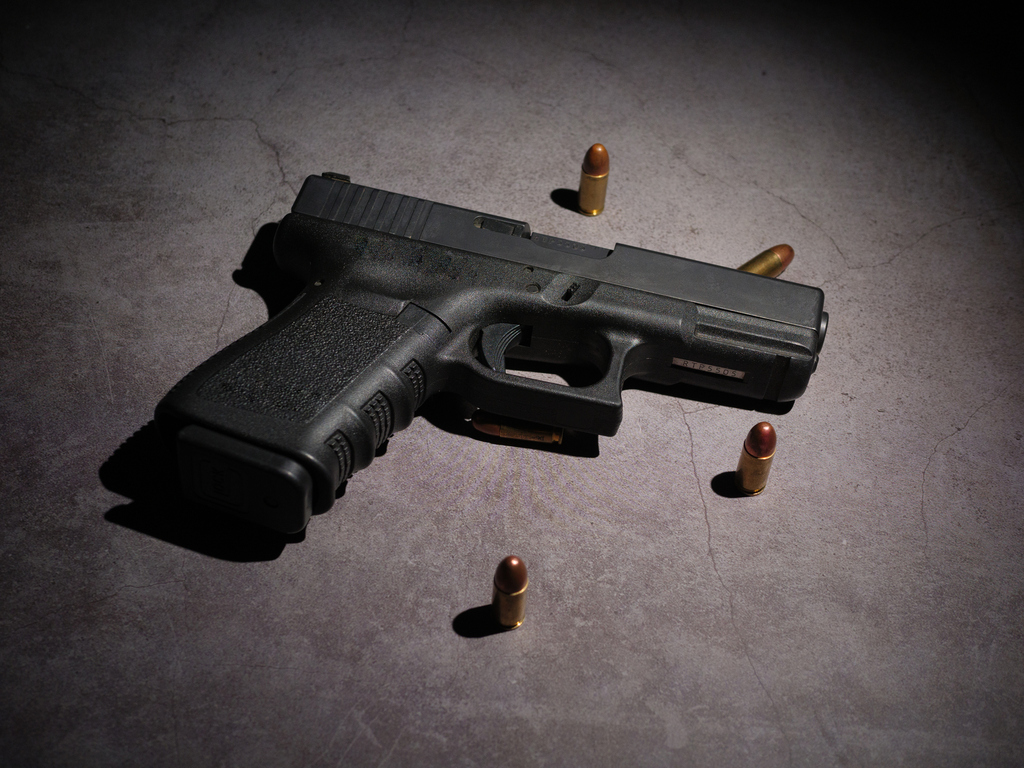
770	263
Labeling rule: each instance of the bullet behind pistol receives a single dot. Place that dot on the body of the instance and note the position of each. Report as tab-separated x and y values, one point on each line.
510	583
515	429
593	180
770	263
756	459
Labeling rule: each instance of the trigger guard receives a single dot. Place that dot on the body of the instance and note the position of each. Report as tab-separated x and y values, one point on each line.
496	340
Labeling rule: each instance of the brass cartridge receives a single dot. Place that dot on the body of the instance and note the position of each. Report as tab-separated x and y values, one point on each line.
593	181
756	459
770	263
508	428
509	600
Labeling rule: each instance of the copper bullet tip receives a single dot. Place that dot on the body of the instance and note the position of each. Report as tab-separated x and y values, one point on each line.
760	443
511	575
785	253
596	161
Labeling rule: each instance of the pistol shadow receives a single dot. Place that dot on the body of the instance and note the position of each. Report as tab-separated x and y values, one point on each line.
143	469
260	273
477	622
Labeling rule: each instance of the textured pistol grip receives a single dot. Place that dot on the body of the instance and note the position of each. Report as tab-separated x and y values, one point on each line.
322	385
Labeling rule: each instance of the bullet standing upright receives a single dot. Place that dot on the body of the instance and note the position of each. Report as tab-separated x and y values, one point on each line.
594	180
510	583
756	459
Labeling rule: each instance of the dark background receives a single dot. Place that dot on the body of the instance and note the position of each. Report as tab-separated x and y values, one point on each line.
865	610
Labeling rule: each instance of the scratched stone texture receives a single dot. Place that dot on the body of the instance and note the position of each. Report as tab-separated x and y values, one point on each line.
865	610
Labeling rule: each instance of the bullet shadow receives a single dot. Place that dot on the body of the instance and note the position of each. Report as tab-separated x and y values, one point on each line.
724	484
478	622
567	198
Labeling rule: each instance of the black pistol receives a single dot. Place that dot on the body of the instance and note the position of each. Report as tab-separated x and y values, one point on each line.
405	298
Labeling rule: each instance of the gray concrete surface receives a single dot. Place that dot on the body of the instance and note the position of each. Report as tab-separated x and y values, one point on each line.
866	610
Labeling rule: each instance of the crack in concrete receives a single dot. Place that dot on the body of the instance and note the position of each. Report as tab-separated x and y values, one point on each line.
254	222
827	731
405	40
330	743
173	687
511	82
167	123
277	154
707	407
603	62
634	90
287	79
935	450
906	248
224	316
932	229
809	220
670	144
901	251
364	728
732	607
408	21
164	121
678	153
95	328
393	745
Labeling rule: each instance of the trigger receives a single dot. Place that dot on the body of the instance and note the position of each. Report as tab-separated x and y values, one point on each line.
496	340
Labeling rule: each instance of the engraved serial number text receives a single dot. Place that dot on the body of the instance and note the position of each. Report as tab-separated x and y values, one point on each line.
705	368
